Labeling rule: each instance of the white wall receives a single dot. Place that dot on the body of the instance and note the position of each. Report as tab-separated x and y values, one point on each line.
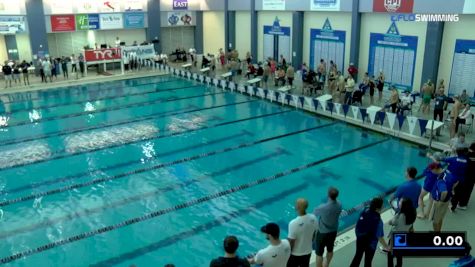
62	44
463	29
213	32
24	46
3	49
379	23
314	20
243	32
267	18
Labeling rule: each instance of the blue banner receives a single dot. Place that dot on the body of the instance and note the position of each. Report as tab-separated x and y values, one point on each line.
395	56
327	44
134	20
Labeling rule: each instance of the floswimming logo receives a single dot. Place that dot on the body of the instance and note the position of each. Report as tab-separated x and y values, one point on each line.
425	17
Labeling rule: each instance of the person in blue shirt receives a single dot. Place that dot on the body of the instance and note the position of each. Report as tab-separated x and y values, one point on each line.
427	187
369	230
441	194
458	167
467	260
409	189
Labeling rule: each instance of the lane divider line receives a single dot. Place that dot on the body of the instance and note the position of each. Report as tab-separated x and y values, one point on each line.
59	154
181	206
131	162
159	166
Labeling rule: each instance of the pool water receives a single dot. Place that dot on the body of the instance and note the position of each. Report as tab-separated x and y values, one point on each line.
157	170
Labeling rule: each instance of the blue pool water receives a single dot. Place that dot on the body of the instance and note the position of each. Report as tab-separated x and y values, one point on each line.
156	170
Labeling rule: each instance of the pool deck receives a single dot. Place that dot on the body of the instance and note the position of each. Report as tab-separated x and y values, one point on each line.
345	251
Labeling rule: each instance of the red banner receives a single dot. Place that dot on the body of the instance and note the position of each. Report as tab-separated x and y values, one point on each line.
63	23
102	54
393	6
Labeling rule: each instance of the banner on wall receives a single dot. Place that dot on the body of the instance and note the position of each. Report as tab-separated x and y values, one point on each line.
87	22
61	7
86	6
133	5
327	44
180	4
141	51
395	55
12	24
277	41
393	6
62	23
134	20
10	7
111	21
469	7
273	4
100	55
463	68
325	5
179	19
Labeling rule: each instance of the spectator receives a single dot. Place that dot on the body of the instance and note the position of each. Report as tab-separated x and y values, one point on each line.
7	72
401	222
277	253
464	99
301	232
457	142
74	60
369	230
380	85
251	70
53	69
329	214
353	71
405	103
280	77
441	101
64	67
458	169
230	258
290	75
410	189
266	74
467	260
441	194
429	183
462	117
454	113
24	67
81	64
466	189
16	73
349	87
47	70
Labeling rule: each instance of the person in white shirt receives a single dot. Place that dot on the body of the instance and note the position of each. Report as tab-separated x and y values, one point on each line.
277	253
301	232
406	102
463	117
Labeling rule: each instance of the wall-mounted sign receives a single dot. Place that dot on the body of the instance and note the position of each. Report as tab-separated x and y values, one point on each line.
326	5
180	4
87	22
277	41
12	24
87	6
394	6
327	44
134	20
273	4
111	21
61	7
62	23
10	7
102	54
463	68
141	51
394	55
133	5
179	18
110	6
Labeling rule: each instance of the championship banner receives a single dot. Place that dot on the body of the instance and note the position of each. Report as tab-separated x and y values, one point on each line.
63	23
102	55
140	52
12	24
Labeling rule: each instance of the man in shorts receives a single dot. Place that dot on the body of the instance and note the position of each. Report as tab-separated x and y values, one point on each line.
328	214
441	194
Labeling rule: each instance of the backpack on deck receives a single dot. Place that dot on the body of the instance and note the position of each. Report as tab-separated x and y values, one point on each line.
367	224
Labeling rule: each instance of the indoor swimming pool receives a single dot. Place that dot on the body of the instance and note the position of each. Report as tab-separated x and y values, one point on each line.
159	170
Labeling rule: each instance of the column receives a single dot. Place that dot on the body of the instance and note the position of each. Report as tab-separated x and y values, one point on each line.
199	32
355	35
253	30
154	24
230	19
430	67
297	38
11	45
35	16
